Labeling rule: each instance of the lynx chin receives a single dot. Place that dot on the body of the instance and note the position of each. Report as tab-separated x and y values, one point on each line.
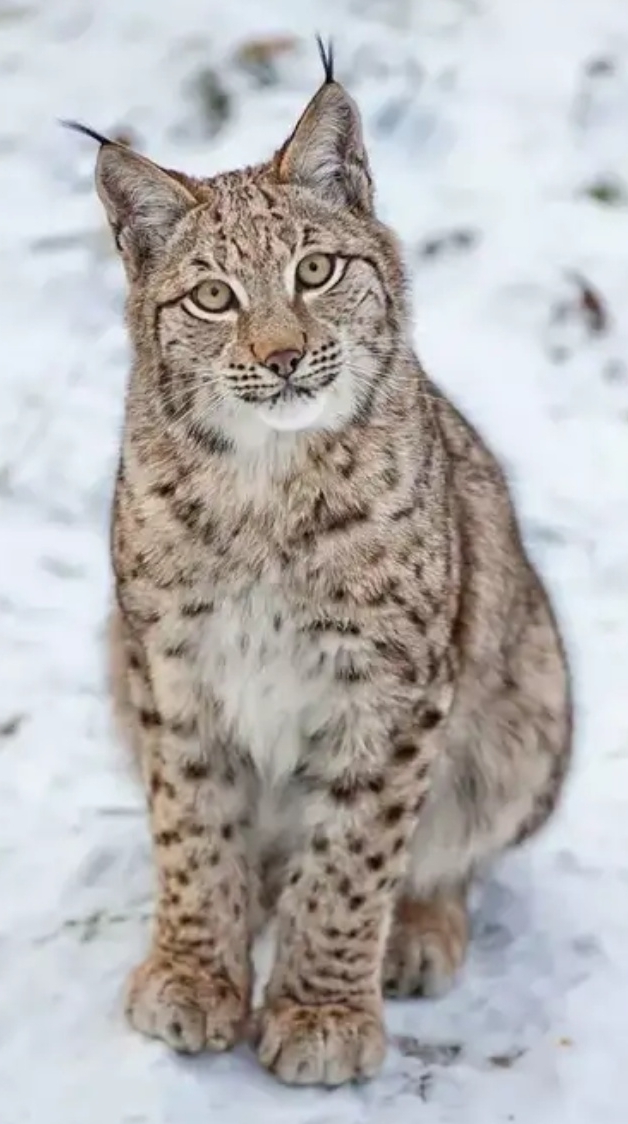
338	668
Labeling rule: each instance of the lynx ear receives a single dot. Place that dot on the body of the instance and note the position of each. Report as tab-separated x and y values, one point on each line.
326	151
143	202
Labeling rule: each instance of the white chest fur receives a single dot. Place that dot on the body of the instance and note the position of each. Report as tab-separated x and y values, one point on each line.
267	676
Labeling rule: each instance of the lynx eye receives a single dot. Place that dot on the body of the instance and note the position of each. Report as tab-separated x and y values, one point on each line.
214	296
314	270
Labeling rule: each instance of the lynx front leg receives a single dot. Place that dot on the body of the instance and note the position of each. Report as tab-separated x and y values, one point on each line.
322	1021
193	989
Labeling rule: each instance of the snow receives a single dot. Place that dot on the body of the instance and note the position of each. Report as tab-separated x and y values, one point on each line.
500	120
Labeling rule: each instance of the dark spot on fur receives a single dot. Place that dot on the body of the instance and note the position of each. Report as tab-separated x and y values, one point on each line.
195	770
210	440
165	488
343	791
214	858
182	877
227	831
356	902
177	651
186	919
344	886
416	619
430	718
197	608
327	624
320	844
330	522
403	512
167	838
191	513
375	862
405	752
149	719
392	814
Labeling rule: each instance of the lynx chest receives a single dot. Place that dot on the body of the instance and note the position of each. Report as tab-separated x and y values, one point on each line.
269	675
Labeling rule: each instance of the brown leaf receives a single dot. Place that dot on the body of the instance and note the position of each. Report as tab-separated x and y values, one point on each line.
592	305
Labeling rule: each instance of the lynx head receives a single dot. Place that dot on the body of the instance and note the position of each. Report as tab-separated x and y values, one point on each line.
264	299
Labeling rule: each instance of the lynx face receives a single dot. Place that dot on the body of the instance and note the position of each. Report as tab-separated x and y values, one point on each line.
276	317
269	298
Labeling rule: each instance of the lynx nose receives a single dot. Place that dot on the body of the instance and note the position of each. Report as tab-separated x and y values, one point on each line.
283	363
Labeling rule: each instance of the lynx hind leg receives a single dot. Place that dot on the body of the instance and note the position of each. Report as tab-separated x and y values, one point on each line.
427	944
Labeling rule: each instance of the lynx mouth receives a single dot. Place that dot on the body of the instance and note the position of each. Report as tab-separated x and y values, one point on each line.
293	408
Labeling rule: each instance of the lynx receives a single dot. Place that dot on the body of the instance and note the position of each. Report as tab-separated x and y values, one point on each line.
338	668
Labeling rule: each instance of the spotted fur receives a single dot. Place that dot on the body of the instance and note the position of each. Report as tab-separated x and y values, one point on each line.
341	674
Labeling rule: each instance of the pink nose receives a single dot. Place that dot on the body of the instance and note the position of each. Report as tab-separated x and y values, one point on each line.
283	363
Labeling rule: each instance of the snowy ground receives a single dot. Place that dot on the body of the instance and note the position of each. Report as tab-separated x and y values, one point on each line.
499	130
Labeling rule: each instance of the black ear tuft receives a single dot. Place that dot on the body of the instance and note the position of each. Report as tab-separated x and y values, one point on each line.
325	152
86	131
326	51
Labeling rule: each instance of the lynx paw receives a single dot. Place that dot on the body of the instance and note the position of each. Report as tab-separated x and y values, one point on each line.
326	1045
185	1004
426	947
